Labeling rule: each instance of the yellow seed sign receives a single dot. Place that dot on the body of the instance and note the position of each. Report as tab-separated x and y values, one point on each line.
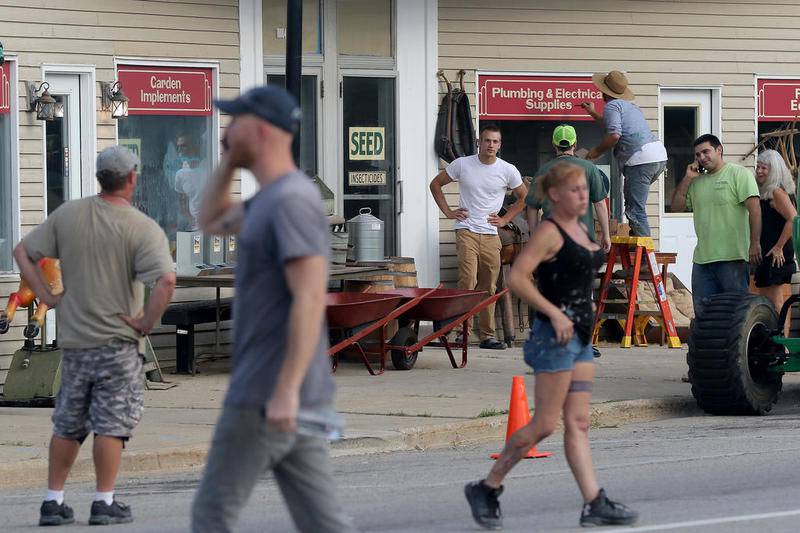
367	144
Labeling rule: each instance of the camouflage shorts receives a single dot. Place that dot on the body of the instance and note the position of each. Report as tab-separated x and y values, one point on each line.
102	391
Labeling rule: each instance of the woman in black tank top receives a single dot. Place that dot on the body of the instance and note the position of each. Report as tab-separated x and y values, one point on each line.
776	188
566	261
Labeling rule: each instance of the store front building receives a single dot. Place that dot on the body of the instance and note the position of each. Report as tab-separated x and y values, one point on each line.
689	78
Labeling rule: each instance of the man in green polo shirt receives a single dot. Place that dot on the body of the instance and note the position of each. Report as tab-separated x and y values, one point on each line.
564	141
727	220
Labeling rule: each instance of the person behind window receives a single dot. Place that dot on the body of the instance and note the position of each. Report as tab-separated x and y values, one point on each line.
190	179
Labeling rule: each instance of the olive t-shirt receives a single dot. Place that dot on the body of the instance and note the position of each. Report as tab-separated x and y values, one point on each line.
108	253
597	188
721	221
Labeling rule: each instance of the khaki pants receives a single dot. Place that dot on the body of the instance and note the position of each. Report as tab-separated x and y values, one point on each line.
478	268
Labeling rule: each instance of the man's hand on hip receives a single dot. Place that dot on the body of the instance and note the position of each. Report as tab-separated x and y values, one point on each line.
496	221
458	214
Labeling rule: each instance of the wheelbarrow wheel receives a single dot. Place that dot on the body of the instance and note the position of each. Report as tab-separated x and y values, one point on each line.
401	360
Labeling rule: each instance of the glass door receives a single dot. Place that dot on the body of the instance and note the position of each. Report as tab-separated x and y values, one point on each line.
368	129
63	142
685	115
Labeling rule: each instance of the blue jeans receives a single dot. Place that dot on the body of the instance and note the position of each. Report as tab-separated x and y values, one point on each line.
544	354
635	189
715	278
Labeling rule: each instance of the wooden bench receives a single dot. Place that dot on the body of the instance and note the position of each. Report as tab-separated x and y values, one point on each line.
184	316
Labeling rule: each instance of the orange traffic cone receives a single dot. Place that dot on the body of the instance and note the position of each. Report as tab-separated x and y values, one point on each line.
519	415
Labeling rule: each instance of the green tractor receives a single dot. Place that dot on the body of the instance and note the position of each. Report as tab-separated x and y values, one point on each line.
738	353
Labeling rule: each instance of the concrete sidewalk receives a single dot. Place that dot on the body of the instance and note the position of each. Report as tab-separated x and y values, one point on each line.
431	405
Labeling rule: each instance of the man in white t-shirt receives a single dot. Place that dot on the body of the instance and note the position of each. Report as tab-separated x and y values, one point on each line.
190	179
483	180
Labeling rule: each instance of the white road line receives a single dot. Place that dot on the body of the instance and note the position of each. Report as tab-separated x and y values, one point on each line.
708	522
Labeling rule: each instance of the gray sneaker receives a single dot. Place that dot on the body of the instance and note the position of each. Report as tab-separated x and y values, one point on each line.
484	504
603	512
53	514
104	514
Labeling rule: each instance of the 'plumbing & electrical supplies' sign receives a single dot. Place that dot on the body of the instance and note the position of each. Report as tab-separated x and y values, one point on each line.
167	90
5	88
778	100
512	97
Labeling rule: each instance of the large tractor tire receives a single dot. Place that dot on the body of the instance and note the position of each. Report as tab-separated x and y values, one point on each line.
730	349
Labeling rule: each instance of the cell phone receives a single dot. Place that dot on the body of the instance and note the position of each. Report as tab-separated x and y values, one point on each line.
225	144
701	169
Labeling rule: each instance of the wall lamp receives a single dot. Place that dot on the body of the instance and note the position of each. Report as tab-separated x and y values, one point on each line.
44	104
114	100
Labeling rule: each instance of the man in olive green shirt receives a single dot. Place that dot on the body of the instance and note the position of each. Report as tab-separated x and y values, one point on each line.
108	251
564	141
727	221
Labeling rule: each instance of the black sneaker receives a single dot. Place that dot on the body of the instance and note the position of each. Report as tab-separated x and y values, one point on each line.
104	514
484	504
603	512
53	514
491	344
595	352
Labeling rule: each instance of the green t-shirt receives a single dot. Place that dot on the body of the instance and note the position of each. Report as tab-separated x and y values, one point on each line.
721	221
597	188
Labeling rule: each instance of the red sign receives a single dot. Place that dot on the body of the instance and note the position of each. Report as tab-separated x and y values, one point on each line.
778	100
510	97
5	88
167	90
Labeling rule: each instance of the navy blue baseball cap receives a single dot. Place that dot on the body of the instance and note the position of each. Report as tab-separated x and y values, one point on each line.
269	103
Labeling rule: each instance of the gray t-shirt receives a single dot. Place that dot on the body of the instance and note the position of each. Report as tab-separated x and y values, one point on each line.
284	221
627	120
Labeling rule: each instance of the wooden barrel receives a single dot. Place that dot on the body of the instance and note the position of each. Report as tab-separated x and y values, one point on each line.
404	271
377	283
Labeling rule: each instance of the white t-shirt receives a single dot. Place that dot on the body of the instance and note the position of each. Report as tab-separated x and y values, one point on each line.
482	189
192	183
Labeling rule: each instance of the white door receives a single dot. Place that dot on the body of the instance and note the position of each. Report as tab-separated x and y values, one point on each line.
685	114
63	153
63	142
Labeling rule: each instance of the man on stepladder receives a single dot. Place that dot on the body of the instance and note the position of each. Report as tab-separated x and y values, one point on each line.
483	180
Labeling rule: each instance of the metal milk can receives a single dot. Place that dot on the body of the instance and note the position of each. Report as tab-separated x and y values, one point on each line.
366	236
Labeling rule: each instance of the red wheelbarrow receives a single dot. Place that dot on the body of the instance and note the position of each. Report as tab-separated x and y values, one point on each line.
447	309
354	315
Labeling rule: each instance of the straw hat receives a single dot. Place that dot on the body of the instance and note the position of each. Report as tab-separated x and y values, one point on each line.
614	84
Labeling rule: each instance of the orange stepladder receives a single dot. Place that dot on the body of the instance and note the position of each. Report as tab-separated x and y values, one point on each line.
635	319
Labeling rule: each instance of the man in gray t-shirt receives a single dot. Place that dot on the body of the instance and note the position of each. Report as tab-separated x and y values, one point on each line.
281	372
641	156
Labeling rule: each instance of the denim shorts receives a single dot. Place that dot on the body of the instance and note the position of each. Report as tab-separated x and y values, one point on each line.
544	354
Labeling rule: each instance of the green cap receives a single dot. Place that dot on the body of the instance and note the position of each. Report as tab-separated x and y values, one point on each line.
564	136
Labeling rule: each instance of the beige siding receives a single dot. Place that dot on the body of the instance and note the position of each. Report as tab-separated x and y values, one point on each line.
667	43
87	32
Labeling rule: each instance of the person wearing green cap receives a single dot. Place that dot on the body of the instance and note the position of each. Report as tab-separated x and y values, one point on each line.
564	141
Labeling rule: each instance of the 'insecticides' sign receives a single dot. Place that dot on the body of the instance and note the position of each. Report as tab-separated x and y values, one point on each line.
366	144
366	179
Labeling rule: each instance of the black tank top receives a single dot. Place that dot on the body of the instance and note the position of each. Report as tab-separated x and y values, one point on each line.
566	281
772	223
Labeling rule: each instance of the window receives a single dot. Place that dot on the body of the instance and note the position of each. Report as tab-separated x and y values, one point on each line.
680	131
7	204
364	27
274	27
308	126
171	127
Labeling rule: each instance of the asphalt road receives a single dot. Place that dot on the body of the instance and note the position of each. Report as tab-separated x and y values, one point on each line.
685	474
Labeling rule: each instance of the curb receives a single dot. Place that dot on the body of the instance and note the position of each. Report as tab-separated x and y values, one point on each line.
474	431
